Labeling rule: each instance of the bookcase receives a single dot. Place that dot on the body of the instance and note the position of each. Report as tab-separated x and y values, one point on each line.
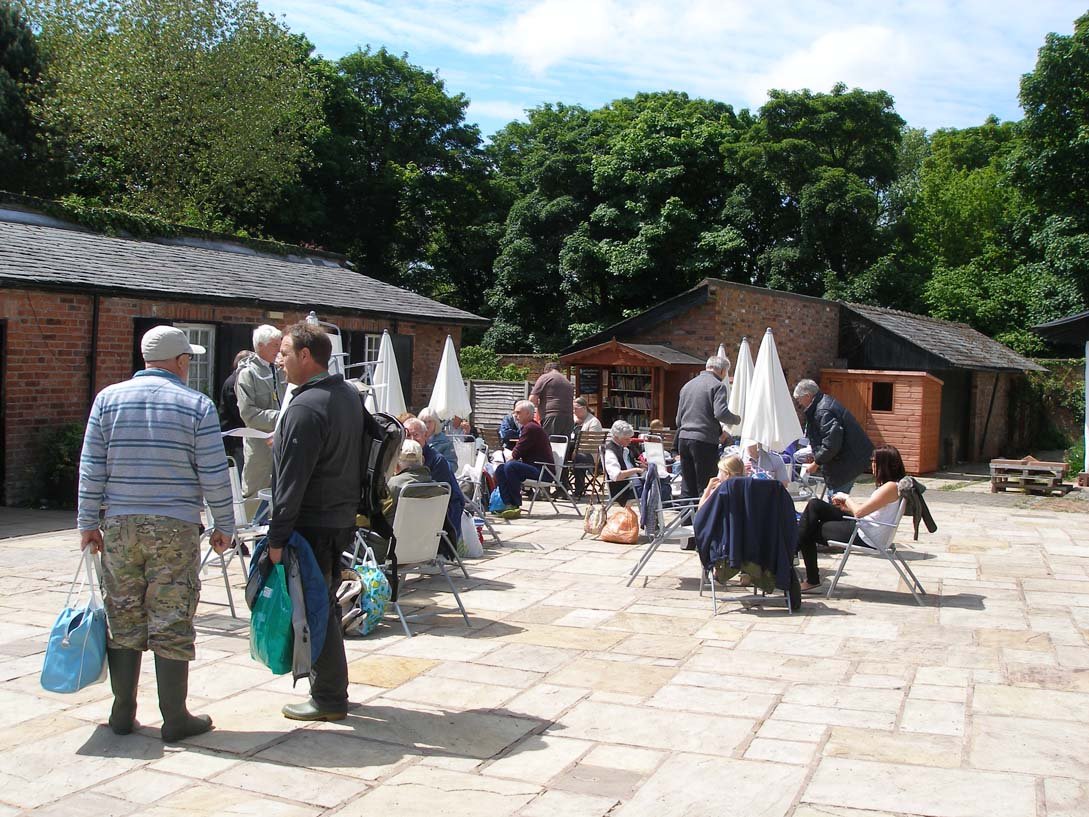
630	394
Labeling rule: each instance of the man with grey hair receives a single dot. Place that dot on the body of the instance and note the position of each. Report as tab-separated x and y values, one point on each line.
531	450
841	448
260	389
702	408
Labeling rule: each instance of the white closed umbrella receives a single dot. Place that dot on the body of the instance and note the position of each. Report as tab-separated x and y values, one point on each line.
386	394
743	370
449	397
770	417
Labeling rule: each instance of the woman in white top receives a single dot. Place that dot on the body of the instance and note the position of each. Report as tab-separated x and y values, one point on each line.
620	462
758	458
825	521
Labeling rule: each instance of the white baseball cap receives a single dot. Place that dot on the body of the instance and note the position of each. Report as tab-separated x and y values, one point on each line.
166	343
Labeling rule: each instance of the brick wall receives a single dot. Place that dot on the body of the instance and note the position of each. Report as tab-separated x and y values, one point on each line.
535	364
997	442
48	347
806	329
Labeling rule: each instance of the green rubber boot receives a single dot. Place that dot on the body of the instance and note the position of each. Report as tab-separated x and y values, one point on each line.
172	678
124	679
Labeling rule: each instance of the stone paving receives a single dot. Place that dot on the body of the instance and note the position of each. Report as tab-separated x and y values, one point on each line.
577	696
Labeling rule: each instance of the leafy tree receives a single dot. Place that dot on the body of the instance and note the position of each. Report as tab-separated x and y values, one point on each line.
20	66
400	181
481	363
197	112
1053	160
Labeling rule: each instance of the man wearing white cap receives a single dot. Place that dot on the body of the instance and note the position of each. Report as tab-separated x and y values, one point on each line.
152	455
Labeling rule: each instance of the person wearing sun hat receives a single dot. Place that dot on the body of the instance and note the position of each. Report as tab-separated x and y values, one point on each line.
152	455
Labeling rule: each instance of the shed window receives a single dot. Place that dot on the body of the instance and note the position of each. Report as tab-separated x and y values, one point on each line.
881	396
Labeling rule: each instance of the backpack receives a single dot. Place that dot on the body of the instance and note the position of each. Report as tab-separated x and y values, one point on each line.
382	439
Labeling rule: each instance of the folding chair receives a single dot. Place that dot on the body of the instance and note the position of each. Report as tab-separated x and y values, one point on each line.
417	531
551	476
245	530
678	529
590	443
882	545
465	450
472	485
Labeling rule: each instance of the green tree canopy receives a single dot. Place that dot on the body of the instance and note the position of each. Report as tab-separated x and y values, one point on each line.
400	182
198	112
20	66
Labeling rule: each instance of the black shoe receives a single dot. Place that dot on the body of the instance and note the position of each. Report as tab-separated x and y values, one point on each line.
124	679
689	545
172	678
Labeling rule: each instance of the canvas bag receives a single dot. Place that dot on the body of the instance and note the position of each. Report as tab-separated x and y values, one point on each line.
363	595
76	655
622	527
593	520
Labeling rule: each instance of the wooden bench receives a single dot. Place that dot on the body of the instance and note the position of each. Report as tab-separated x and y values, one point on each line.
1030	475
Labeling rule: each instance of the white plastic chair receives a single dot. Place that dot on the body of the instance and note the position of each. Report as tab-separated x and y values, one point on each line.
880	543
554	473
417	532
245	530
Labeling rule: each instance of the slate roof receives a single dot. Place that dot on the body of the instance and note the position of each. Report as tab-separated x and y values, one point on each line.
666	354
1073	330
957	343
58	258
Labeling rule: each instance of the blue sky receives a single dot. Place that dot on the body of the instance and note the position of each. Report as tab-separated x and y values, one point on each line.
947	63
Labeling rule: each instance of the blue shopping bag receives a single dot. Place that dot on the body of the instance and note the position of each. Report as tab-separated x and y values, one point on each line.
495	502
76	655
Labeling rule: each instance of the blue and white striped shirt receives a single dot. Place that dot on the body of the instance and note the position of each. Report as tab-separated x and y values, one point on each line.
153	446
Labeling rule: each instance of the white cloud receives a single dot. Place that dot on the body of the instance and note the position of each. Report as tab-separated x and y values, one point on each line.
945	63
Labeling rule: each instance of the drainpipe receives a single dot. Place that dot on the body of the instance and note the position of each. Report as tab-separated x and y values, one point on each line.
987	422
93	367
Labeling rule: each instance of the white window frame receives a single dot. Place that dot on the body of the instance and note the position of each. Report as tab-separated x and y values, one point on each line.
371	345
202	367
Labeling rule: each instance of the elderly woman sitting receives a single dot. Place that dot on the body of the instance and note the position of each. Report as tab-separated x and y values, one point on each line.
622	467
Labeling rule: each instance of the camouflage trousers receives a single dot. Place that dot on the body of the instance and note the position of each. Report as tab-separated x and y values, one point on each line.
151	583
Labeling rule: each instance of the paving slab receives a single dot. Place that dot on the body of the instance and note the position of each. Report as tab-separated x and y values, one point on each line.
573	694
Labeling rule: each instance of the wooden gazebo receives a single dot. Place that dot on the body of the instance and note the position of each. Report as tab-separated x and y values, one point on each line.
636	382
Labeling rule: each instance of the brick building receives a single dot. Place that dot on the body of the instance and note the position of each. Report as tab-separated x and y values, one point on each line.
74	304
812	334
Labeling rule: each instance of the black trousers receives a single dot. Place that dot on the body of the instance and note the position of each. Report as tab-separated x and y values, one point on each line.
699	462
329	675
821	521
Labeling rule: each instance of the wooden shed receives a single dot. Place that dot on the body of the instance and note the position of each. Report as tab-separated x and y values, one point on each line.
636	382
895	408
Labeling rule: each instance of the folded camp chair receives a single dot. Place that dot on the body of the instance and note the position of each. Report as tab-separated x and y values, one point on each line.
472	485
551	476
678	529
246	530
465	450
417	531
880	544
